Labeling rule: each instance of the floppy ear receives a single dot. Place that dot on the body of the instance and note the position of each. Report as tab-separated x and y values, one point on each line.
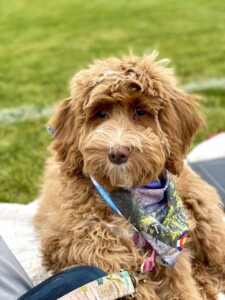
179	119
65	144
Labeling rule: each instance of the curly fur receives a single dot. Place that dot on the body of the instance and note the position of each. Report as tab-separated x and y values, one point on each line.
75	225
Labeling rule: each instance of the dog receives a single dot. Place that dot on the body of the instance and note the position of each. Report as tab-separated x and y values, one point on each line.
124	125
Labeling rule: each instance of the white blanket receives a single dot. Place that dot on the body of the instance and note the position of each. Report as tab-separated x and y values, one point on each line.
18	233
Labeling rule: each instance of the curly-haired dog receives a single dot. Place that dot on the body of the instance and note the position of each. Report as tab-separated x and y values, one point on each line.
127	124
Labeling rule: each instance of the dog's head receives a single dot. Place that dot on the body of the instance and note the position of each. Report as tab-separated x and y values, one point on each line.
125	122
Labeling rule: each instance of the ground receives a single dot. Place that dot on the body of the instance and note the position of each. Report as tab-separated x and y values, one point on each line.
42	44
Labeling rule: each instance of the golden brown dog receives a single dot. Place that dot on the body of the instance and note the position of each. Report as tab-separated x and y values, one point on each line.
125	123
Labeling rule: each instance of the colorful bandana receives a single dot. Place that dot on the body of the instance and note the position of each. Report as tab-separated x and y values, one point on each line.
157	212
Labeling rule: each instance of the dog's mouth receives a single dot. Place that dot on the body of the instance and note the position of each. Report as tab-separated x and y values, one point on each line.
120	175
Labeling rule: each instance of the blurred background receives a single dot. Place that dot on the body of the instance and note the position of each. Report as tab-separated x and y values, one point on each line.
43	43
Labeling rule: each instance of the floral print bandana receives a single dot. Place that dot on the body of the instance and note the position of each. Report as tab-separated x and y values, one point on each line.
157	213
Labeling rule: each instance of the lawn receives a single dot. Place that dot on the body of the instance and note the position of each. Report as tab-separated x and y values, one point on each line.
42	44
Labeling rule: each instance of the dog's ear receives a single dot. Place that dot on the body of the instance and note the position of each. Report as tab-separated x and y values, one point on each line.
65	144
179	116
179	119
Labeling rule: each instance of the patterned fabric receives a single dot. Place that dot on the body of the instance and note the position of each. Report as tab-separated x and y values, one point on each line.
110	287
158	214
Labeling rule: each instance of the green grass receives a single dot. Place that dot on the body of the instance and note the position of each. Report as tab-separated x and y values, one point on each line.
42	44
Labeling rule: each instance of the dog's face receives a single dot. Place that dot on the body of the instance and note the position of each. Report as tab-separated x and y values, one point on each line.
121	141
124	123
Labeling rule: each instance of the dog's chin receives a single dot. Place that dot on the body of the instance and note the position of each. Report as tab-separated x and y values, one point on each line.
120	177
113	182
125	181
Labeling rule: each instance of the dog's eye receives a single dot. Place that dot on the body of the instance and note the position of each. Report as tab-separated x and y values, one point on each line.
140	112
101	114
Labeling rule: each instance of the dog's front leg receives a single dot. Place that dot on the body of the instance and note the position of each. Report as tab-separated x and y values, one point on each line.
177	283
90	241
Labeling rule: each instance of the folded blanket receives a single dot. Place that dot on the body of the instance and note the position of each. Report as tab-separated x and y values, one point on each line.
18	233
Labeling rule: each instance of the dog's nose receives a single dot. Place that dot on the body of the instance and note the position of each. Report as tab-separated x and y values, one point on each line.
119	155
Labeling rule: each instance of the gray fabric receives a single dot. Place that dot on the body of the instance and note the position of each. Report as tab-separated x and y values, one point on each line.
14	282
213	171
